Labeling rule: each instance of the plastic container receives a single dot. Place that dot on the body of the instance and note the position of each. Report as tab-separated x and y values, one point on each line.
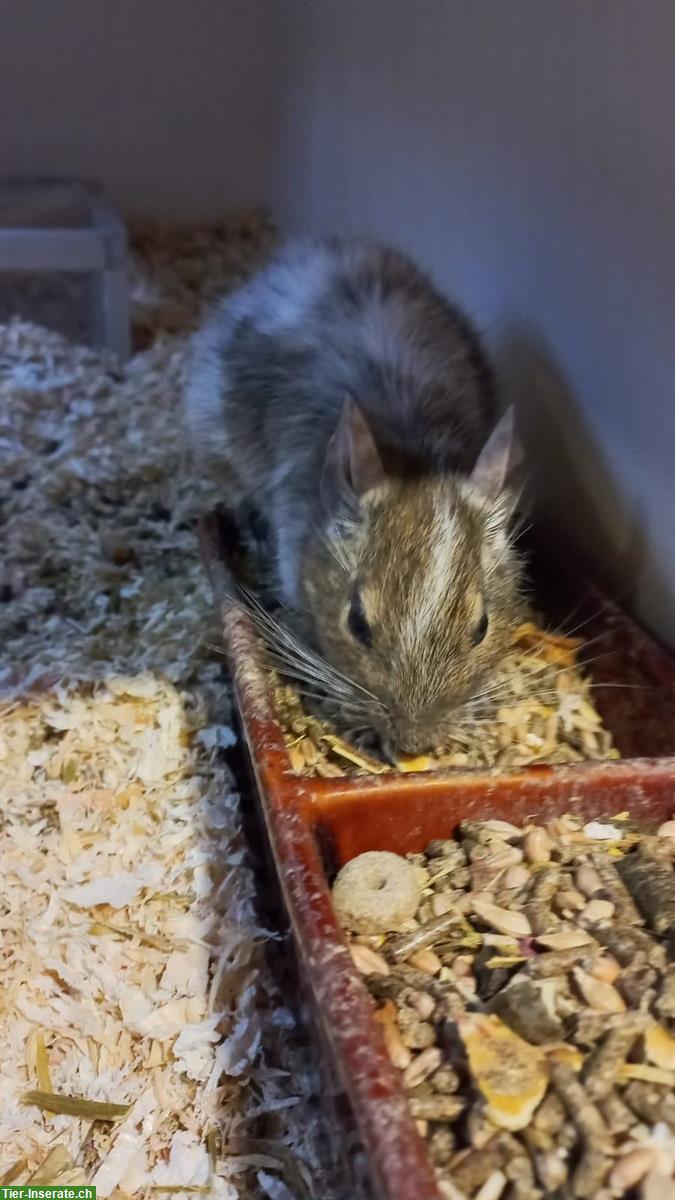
63	261
315	825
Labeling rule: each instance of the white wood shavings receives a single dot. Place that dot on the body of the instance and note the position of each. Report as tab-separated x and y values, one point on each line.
86	968
129	945
129	1144
116	890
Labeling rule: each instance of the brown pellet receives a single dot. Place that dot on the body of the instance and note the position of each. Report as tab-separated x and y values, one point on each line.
603	1067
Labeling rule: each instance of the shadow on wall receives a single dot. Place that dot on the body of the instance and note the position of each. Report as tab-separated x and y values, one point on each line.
565	459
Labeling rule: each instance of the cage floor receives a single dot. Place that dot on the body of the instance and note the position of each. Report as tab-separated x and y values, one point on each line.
132	963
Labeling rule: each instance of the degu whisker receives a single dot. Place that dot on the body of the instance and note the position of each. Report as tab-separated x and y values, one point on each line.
280	640
588	620
204	645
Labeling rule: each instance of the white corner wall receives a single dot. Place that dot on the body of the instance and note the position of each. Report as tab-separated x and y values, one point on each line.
524	150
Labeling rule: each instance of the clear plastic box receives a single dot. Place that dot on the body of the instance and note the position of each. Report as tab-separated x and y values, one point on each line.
63	260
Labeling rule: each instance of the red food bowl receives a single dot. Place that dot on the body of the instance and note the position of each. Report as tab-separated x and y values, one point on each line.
315	825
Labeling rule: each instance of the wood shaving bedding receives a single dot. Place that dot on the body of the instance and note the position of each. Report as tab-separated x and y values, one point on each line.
132	964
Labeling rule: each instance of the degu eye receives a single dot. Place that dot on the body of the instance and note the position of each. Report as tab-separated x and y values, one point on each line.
480	630
357	624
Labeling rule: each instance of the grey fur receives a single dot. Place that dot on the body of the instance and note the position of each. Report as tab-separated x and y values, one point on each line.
266	390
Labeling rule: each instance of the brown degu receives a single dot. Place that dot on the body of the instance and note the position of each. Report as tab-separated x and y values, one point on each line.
340	395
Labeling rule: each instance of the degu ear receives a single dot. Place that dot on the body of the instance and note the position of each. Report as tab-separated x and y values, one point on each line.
352	465
499	461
